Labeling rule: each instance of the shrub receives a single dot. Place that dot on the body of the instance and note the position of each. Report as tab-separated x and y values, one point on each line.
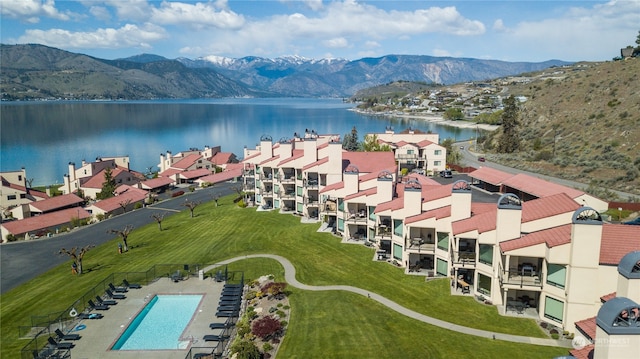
100	216
251	295
177	194
283	323
265	327
280	314
555	336
245	350
544	325
266	347
11	238
138	205
553	331
273	288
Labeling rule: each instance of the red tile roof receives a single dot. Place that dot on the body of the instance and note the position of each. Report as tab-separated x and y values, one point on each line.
556	235
430	193
294	156
169	172
392	205
110	204
156	183
56	202
438	213
6	183
583	353
368	162
274	158
44	221
187	161
222	176
548	206
221	158
587	327
618	240
482	222
423	180
332	186
200	172
490	175
425	143
402	143
368	192
252	156
607	297
316	163
539	187
477	208
97	180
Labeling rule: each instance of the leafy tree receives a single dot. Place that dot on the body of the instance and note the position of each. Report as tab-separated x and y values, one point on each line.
453	114
350	142
108	186
76	254
371	144
453	156
124	234
636	52
509	142
265	327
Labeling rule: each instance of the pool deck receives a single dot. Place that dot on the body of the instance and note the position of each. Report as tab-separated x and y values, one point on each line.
100	334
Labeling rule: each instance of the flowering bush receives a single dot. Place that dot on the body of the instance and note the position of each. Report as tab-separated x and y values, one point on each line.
265	327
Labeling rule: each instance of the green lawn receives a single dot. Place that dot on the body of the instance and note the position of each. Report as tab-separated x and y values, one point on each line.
323	324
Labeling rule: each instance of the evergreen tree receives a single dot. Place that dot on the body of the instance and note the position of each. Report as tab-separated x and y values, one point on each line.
350	142
510	140
108	186
371	144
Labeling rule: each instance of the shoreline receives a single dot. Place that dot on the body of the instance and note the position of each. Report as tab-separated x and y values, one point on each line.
432	118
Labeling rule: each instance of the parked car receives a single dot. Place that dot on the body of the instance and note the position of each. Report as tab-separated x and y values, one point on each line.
633	222
481	159
462	147
446	174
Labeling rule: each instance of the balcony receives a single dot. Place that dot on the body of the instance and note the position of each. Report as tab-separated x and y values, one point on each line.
464	257
384	231
420	245
288	194
356	216
524	275
330	207
311	202
311	183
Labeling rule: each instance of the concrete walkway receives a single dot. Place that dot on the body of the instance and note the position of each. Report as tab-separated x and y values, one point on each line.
290	277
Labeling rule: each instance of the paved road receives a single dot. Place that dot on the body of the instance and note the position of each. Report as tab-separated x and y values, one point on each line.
470	158
290	278
25	260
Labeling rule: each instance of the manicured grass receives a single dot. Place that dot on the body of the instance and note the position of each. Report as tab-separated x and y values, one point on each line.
218	233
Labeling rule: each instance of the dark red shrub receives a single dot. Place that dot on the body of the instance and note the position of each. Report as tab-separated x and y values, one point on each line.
265	327
177	194
273	288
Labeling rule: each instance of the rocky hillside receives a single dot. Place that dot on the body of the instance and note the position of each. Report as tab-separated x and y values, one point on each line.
41	72
582	122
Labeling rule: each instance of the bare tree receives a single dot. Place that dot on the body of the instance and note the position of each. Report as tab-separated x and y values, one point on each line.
124	204
76	254
191	205
29	182
159	217
124	234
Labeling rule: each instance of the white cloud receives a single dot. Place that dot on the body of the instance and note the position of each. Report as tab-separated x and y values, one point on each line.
198	15
100	12
126	36
314	5
31	10
499	26
372	44
441	52
337	42
130	10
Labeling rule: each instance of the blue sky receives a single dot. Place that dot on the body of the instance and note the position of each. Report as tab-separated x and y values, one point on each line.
510	30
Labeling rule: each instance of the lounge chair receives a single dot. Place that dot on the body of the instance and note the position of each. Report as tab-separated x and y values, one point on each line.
90	316
229	308
233	285
215	338
64	345
93	306
63	336
177	276
220	325
105	302
113	295
228	314
129	285
117	289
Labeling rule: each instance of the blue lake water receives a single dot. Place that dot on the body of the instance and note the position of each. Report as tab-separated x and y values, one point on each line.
44	137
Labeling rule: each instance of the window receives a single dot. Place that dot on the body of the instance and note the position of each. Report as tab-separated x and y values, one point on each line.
397	227
299	190
276	203
372	215
484	284
437	163
19	177
340	204
299	207
441	267
443	241
409	152
556	275
341	224
486	254
23	195
553	309
397	251
437	152
11	197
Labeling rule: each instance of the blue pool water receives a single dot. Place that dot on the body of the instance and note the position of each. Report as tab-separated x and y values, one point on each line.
160	323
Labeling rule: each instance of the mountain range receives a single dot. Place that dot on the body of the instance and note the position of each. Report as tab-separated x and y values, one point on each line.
35	71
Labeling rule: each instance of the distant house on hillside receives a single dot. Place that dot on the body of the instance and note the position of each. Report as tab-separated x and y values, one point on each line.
626	52
14	191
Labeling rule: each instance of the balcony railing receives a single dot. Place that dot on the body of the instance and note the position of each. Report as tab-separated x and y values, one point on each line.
464	257
521	278
420	244
384	231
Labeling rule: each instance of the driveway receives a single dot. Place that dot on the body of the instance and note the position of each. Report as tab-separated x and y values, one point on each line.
25	260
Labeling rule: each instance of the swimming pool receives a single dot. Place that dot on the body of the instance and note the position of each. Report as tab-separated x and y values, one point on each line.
160	323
